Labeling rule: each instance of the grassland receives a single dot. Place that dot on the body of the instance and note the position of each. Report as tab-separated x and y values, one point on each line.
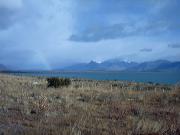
86	107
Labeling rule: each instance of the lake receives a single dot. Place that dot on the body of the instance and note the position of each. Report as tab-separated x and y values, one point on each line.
155	77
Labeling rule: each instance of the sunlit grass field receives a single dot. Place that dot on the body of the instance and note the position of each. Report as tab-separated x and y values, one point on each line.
87	107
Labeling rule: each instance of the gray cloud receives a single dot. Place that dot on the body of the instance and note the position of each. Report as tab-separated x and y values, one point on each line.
116	31
8	12
148	18
101	33
175	45
11	4
6	18
146	50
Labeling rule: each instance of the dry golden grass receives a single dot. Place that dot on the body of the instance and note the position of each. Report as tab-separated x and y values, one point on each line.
86	107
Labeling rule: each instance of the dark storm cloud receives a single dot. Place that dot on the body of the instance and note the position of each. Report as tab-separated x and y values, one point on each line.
5	18
9	10
155	17
115	31
100	33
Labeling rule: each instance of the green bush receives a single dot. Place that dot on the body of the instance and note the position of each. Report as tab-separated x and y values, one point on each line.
58	82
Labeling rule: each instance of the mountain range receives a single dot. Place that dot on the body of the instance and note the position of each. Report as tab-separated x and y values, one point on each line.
118	65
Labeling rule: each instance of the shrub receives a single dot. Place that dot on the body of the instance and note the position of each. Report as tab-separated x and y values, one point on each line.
115	85
58	82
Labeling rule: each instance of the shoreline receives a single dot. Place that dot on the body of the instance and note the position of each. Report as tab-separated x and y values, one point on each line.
169	78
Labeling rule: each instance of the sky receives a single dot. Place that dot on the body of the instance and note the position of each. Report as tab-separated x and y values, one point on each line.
51	34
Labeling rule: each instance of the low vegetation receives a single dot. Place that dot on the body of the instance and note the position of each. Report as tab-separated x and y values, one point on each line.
30	106
58	82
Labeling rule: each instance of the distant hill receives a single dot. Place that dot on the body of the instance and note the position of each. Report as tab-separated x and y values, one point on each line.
118	65
115	64
159	65
2	67
84	66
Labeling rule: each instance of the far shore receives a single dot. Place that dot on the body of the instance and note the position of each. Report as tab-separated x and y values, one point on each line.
141	77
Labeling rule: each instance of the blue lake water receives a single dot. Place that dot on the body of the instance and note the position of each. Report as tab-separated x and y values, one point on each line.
156	77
